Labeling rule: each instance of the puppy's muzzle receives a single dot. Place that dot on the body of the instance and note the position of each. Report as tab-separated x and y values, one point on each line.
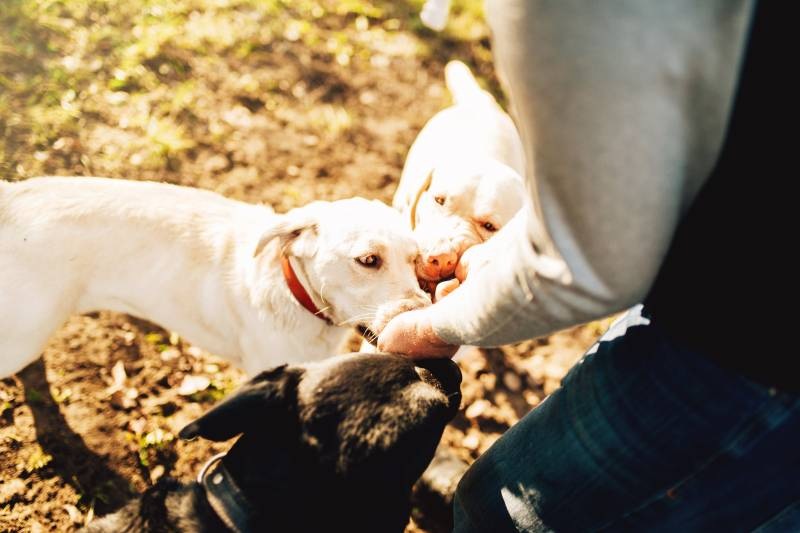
445	375
438	264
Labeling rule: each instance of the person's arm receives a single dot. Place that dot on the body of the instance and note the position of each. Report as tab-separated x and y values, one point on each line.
622	108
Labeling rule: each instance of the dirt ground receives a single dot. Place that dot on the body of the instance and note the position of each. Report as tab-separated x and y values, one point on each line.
279	102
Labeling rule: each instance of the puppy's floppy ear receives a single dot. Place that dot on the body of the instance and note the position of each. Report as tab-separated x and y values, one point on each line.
412	213
265	399
288	227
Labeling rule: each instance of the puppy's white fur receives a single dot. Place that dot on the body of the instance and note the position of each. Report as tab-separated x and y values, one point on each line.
197	263
470	158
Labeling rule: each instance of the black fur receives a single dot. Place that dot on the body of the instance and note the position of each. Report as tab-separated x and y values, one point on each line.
336	449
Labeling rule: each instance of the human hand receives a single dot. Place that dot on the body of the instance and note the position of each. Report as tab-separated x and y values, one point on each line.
412	334
473	259
443	288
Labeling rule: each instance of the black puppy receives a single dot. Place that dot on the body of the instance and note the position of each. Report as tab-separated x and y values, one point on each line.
330	446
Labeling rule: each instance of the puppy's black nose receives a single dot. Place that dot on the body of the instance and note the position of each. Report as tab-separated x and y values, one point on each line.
445	371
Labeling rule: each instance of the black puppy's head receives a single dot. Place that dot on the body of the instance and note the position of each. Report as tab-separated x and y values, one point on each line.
350	434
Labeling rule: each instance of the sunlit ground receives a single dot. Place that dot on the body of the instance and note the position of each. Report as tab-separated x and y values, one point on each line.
264	101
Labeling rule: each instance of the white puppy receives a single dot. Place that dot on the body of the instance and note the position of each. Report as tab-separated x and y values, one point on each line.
462	180
238	280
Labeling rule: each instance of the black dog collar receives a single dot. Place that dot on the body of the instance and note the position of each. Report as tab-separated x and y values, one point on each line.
224	496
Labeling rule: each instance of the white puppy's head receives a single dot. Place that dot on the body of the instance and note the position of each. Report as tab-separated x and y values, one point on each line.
355	258
462	203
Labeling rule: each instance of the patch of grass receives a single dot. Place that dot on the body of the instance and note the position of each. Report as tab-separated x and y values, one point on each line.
167	138
87	499
129	81
149	444
5	406
61	395
154	338
467	20
33	396
37	460
359	7
158	340
330	119
216	391
101	492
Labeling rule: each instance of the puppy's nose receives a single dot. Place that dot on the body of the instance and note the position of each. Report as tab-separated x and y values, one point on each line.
442	262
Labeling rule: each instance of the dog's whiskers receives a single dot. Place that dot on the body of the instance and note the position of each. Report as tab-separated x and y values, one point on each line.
369	317
360	316
369	335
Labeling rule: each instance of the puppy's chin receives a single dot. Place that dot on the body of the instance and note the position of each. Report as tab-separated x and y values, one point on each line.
445	375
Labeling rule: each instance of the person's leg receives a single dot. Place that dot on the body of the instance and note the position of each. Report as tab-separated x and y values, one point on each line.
643	435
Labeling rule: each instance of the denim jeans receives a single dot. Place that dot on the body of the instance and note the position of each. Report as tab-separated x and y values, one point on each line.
643	435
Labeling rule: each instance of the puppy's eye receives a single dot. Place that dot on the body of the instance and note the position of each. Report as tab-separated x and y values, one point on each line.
488	226
369	261
439	199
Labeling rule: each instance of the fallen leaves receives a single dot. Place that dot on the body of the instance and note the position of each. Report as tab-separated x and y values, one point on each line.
10	490
75	516
121	396
193	384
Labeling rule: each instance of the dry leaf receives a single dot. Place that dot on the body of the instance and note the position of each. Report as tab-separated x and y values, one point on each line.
156	473
169	354
471	441
75	516
478	408
192	384
118	378
10	489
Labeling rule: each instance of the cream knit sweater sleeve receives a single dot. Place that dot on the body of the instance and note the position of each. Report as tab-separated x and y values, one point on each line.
622	106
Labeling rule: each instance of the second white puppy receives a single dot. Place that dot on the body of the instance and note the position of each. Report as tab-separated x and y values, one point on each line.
236	279
462	179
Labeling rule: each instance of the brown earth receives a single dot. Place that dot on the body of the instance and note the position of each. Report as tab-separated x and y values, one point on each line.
261	107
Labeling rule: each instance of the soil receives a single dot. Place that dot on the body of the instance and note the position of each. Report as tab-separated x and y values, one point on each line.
265	108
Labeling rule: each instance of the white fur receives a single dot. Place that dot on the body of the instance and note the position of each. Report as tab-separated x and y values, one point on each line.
471	155
186	259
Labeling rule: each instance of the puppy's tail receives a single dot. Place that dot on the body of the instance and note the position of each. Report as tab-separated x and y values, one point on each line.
463	85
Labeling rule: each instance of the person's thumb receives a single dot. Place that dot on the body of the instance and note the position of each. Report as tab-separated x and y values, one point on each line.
412	334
